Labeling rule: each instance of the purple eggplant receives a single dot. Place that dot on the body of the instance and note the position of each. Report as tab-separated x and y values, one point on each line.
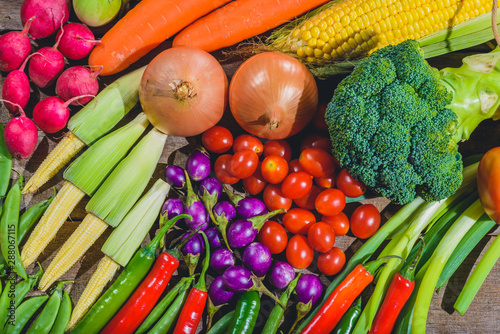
242	232
221	259
257	257
240	279
214	237
309	289
281	274
192	251
218	295
171	208
250	207
174	175
209	191
195	208
223	213
198	165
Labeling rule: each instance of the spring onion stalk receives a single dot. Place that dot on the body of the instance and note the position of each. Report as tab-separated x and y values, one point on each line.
95	164
438	261
478	276
127	237
124	186
101	114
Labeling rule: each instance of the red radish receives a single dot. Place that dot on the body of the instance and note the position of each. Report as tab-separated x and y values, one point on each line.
51	114
77	41
76	81
20	136
45	67
15	46
16	89
50	15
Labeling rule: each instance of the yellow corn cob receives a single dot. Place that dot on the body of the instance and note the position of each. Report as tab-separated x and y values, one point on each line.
52	220
352	28
73	249
66	149
105	271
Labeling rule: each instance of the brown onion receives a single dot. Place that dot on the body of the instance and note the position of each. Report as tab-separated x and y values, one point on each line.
183	91
273	95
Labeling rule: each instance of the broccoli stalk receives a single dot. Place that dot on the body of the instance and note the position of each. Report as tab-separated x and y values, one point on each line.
395	121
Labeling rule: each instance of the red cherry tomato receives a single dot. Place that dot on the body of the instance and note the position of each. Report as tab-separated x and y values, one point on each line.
308	202
274	236
317	162
321	237
298	252
319	117
325	182
255	183
278	147
331	262
274	198
316	141
365	221
217	139
248	142
294	166
221	169
330	202
296	185
244	163
339	223
274	169
298	220
349	186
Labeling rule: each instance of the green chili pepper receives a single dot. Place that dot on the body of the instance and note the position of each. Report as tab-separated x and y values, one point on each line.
5	166
160	308
63	315
24	313
274	319
125	284
47	317
9	224
222	325
167	320
246	313
348	322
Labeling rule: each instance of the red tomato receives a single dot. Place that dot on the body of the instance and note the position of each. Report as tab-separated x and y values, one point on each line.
339	223
308	202
325	182
330	202
244	163
294	166
316	141
321	237
274	236
298	220
217	139
221	169
296	185
331	262
274	169
274	198
255	183
278	147
349	186
365	221
319	117
248	142
298	252
317	162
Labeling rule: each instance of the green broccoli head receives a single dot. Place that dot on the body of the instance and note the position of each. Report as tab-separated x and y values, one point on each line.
390	126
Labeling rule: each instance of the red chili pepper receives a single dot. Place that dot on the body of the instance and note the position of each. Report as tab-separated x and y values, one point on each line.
342	297
195	304
142	301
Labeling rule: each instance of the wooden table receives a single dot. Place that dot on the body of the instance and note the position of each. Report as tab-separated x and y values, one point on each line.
482	316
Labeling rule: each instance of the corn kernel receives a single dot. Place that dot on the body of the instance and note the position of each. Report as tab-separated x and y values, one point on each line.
307	25
308	51
339	51
346	47
334	54
327	48
320	43
333	43
311	59
296	33
312	42
301	53
327	56
318	53
358	39
306	35
330	31
345	20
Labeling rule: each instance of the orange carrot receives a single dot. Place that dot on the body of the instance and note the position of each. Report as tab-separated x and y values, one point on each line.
239	20
143	28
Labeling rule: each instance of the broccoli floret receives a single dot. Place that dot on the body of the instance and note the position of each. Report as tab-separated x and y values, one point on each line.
395	121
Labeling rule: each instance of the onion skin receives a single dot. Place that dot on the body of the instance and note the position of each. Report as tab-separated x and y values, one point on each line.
183	91
273	96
